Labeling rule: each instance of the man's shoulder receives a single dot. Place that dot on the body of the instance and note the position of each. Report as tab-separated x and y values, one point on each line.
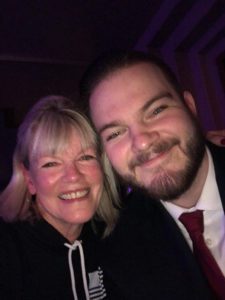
139	200
218	156
218	153
139	214
137	204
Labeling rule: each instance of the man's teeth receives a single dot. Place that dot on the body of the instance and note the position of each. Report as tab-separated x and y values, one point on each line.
73	195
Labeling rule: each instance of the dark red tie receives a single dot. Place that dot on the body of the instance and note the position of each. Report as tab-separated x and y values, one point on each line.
194	224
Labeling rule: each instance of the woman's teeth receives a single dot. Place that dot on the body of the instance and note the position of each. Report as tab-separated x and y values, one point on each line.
73	195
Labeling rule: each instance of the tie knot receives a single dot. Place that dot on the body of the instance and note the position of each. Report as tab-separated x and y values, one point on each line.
193	222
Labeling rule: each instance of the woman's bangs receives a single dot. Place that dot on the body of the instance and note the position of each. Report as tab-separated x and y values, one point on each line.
50	138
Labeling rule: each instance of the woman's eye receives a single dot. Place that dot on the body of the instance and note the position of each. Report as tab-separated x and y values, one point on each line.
49	164
159	109
88	157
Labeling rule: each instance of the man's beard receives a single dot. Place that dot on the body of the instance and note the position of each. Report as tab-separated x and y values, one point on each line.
169	185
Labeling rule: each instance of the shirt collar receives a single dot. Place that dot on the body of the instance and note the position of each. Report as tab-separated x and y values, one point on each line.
209	199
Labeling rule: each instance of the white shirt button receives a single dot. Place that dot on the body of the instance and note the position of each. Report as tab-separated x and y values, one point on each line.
208	242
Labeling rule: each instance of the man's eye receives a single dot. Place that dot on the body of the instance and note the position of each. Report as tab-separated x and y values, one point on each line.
112	136
49	164
159	109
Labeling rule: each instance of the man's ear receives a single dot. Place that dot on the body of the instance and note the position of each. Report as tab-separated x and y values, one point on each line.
190	102
29	181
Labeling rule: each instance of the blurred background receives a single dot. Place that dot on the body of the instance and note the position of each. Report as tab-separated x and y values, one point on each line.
45	46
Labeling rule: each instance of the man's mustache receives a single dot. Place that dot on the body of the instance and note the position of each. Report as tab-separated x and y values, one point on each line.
146	155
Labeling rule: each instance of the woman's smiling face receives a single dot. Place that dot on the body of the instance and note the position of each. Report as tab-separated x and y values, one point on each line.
67	185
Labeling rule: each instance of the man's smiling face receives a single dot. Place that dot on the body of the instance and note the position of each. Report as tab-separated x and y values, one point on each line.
149	134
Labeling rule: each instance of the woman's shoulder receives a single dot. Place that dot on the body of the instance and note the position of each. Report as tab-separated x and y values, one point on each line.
5	228
8	244
7	234
10	235
10	265
11	245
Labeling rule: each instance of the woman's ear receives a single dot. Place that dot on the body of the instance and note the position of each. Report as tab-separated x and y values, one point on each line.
190	102
28	179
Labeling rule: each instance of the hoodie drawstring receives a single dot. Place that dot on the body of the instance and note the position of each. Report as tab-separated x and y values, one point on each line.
71	249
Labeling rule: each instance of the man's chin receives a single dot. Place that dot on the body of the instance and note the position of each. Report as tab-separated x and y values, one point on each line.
164	186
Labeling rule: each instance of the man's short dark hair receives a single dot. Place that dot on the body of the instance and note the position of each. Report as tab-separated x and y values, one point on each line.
112	61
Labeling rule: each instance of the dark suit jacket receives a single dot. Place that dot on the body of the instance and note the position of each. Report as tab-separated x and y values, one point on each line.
147	256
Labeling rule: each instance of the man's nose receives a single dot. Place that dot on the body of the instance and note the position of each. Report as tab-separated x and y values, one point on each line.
142	140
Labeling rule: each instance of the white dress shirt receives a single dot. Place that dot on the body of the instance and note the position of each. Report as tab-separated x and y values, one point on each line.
214	219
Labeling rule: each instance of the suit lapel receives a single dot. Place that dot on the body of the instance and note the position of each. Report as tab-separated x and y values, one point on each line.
218	155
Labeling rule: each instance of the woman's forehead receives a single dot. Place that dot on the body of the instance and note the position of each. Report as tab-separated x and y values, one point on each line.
55	142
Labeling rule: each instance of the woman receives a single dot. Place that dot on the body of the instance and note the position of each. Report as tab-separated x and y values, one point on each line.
57	185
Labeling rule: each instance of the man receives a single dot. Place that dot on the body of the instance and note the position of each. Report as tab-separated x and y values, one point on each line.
149	130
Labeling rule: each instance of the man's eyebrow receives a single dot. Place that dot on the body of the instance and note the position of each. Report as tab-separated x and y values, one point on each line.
143	108
155	98
108	125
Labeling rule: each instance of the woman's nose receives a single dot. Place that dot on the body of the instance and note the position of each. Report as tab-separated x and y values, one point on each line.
72	172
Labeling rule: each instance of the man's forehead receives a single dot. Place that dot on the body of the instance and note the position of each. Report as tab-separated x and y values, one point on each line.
125	89
142	71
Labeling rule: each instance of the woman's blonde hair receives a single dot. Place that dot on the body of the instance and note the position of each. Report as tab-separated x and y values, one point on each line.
46	129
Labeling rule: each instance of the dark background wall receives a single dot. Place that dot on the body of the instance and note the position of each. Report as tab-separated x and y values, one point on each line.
46	45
